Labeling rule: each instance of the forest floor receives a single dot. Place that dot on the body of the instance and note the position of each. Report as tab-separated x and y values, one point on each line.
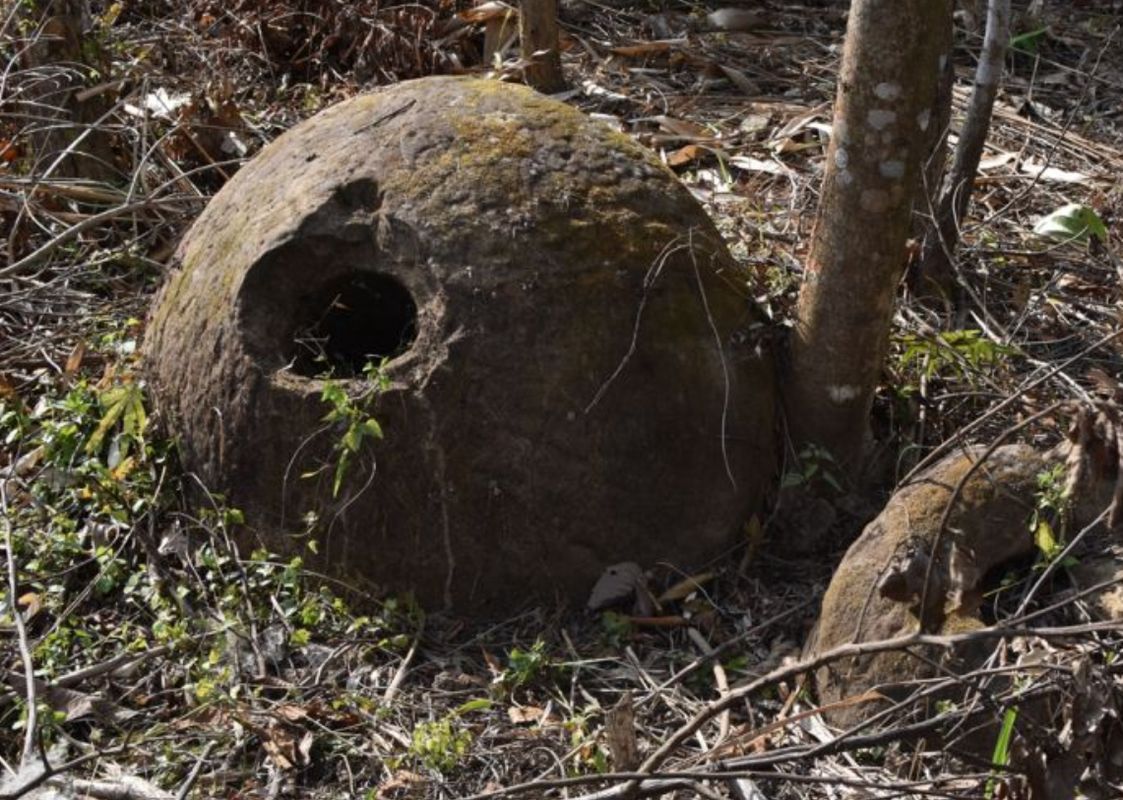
168	663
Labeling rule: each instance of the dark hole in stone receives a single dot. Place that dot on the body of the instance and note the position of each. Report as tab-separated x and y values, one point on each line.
354	320
1003	585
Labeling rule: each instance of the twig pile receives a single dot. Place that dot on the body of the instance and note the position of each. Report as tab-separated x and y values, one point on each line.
166	663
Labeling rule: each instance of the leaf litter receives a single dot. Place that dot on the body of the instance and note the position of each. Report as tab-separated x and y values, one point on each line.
219	673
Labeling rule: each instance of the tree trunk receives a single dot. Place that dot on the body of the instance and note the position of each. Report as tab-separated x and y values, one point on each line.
538	40
883	111
935	166
935	270
70	139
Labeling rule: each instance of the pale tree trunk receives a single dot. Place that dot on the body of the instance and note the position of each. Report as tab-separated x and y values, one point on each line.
935	270
69	138
883	113
928	192
538	42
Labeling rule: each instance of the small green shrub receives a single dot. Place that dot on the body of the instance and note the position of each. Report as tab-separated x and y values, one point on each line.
439	744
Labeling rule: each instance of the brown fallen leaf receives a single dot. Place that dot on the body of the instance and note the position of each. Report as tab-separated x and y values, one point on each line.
739	79
616	584
286	746
402	783
74	360
7	390
290	712
686	587
31	603
620	731
684	129
486	11
525	715
684	155
73	704
493	665
733	20
642	50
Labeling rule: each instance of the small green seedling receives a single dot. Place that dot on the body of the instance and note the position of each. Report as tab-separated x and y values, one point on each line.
1072	223
439	744
815	464
351	416
1001	757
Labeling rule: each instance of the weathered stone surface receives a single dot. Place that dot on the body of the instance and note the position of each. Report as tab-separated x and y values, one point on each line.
1100	582
571	384
876	591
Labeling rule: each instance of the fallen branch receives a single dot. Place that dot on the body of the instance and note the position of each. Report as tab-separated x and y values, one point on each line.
31	724
852	650
74	231
643	779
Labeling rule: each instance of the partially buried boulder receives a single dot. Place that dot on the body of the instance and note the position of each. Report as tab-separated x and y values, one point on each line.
569	376
903	561
914	571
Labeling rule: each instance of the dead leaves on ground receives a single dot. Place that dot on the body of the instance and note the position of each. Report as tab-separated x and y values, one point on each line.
317	40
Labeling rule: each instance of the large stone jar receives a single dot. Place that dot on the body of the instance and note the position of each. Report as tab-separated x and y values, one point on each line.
570	374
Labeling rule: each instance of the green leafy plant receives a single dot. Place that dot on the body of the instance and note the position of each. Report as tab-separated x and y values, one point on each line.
958	354
1051	505
525	666
616	628
815	464
440	744
585	743
1029	41
1001	757
351	417
123	409
1072	223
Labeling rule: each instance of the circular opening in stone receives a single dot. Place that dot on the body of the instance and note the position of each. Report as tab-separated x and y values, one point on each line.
356	319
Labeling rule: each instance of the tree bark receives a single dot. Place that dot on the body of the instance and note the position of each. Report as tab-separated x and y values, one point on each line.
883	111
935	166
538	41
935	270
60	63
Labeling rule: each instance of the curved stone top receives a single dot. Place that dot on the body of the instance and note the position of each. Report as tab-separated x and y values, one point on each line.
571	393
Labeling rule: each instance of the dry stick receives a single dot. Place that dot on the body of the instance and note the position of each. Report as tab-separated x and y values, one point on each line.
661	782
12	12
999	213
70	233
851	650
79	676
751	738
1050	568
649	279
50	771
32	722
721	682
945	518
721	358
1116	508
945	446
399	676
905	733
720	650
118	790
854	738
73	191
193	776
957	190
